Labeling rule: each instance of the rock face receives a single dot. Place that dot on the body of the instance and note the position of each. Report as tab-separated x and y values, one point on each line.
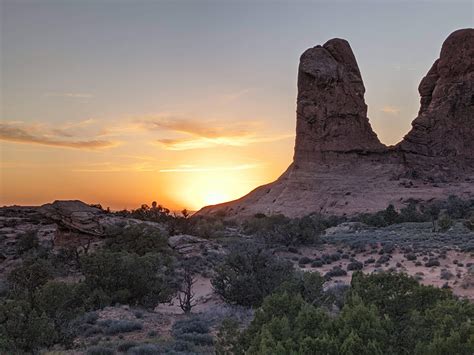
442	138
340	166
331	113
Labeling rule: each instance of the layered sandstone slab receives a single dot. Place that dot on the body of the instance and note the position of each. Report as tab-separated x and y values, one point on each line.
340	166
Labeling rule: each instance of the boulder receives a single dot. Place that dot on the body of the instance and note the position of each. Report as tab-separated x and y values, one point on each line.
75	215
187	244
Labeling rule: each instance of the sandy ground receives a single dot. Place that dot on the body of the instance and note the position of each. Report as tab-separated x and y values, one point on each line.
425	275
204	297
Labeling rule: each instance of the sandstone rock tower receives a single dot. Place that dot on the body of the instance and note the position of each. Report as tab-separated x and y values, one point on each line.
331	113
442	138
340	166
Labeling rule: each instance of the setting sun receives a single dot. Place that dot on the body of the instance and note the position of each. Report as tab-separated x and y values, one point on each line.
196	188
215	197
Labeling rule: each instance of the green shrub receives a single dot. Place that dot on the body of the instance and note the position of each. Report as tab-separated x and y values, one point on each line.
410	213
139	238
194	330
283	230
138	314
249	274
383	259
128	278
410	256
336	271
89	330
432	262
445	222
152	333
395	294
90	317
457	208
126	345
446	275
29	276
62	303
304	260
355	265
317	263
27	242
192	325
308	285
23	328
197	339
469	223
227	337
383	313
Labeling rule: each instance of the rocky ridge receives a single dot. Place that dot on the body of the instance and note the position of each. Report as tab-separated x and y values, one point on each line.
339	165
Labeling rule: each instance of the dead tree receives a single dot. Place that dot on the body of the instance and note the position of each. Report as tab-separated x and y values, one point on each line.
186	294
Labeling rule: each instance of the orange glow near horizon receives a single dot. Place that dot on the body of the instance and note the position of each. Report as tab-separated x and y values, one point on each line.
186	179
202	189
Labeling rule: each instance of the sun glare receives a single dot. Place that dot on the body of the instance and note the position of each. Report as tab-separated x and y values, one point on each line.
196	189
215	197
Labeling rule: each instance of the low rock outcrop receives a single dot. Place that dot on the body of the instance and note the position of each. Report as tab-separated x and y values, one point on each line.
340	167
77	216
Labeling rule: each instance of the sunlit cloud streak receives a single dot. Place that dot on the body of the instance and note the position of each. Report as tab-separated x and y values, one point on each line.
33	134
200	128
193	169
390	109
110	167
199	134
231	97
203	142
73	95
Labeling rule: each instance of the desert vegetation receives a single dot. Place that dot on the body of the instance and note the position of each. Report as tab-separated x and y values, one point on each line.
396	281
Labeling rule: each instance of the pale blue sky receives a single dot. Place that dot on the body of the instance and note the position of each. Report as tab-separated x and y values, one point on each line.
135	57
90	68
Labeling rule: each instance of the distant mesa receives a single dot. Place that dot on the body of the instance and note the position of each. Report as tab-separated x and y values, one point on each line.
340	166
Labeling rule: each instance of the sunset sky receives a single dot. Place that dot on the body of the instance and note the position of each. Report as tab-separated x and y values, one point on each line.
187	102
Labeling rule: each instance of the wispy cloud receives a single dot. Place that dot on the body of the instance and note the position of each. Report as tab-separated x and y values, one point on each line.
110	167
234	96
390	109
36	134
203	142
198	133
72	95
199	127
73	129
193	169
